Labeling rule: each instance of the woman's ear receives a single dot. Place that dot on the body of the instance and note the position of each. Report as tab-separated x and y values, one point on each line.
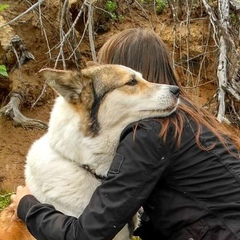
92	64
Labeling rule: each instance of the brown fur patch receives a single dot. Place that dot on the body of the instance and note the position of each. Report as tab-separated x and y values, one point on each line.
12	229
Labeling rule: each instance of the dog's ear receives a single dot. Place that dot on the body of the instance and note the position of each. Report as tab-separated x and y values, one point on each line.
92	64
68	84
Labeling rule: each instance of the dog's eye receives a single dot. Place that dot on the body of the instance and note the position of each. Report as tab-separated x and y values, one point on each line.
132	82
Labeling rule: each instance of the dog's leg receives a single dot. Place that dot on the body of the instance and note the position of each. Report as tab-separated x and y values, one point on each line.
12	229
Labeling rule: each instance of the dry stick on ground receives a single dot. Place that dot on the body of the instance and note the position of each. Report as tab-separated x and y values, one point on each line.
64	37
234	111
11	110
222	66
90	30
49	52
62	12
234	87
24	13
212	19
187	41
205	47
222	78
73	45
231	84
174	29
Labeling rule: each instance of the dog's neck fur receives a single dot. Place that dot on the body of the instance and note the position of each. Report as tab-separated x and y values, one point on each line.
97	152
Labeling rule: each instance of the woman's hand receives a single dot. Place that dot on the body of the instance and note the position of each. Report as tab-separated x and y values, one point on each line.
15	198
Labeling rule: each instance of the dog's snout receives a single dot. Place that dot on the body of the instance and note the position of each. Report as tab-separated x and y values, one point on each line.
175	90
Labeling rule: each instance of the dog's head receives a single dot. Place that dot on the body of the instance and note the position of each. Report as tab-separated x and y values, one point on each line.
110	95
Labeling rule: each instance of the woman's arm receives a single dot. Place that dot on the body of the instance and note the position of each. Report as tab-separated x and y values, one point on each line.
136	168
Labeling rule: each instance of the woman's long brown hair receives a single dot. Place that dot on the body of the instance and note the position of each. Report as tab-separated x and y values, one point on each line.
144	51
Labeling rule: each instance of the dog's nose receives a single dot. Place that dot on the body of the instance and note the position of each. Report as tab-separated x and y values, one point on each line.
175	90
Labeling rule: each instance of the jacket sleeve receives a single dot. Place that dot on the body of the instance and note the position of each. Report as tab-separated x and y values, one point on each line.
137	167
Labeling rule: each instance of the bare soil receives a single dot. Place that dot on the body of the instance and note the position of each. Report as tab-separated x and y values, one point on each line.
15	141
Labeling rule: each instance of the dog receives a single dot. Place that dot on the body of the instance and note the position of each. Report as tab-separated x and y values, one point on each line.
67	164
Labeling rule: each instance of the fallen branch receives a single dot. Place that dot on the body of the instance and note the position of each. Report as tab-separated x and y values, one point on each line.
232	91
222	78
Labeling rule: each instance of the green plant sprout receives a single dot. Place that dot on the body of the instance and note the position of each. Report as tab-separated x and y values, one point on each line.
159	4
3	71
4	200
3	6
111	8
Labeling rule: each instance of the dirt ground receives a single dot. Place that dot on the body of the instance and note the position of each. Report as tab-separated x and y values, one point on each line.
15	141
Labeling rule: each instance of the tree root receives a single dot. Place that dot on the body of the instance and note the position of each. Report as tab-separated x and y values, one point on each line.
11	111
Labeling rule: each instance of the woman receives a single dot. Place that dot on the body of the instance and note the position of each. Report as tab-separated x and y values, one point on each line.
186	168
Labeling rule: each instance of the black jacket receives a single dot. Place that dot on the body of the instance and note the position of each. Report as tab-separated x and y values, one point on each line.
187	192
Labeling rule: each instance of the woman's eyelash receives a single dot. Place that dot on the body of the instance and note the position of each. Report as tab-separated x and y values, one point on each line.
132	82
